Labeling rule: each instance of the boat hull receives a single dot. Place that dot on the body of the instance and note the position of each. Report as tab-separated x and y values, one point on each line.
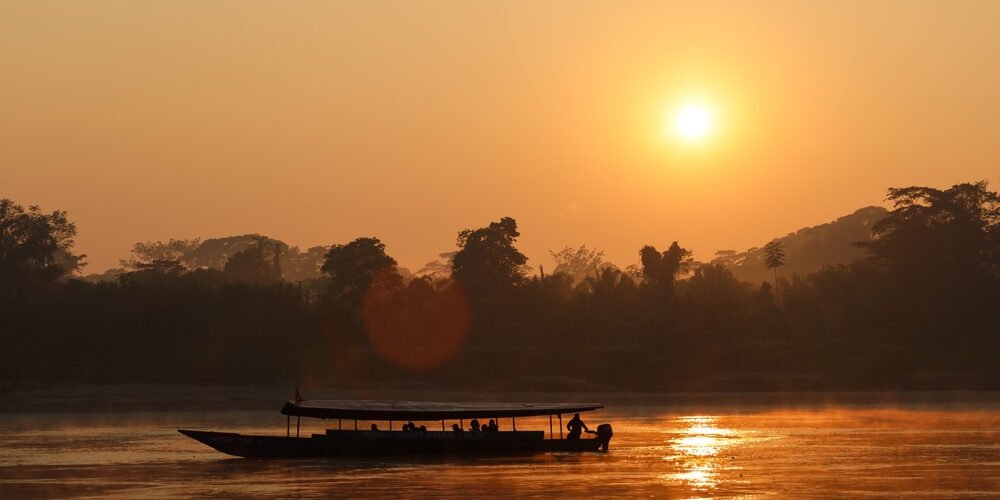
363	443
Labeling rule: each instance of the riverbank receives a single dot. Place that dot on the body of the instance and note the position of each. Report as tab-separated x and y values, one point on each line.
151	398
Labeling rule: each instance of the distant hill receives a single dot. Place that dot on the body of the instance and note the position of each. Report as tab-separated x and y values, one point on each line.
809	249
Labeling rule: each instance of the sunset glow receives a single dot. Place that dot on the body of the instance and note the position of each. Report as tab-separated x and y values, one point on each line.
693	122
163	113
566	249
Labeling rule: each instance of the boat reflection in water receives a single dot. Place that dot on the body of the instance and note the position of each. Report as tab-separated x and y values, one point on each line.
698	451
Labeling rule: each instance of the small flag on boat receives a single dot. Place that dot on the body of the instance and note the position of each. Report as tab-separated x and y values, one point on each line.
298	397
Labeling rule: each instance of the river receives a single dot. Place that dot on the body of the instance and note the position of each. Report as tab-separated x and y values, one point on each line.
718	449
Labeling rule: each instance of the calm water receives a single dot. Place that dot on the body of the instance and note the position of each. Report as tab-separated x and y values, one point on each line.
719	452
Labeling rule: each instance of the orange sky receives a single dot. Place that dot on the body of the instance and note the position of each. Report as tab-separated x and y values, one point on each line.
318	122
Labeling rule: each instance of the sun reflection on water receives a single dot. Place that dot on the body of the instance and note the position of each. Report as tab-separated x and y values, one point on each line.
697	446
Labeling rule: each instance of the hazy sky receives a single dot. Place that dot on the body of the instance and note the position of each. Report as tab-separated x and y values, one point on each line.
318	122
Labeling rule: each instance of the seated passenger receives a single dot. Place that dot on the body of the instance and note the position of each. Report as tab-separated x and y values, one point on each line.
423	428
485	428
374	428
455	428
493	427
474	427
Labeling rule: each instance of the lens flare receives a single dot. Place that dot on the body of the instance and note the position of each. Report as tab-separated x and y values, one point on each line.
417	328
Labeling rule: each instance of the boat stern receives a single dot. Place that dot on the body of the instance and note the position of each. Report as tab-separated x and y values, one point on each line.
604	433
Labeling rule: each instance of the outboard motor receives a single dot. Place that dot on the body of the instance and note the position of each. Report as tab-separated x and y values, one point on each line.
604	434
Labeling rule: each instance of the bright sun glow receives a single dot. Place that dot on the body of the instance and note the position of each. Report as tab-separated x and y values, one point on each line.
692	122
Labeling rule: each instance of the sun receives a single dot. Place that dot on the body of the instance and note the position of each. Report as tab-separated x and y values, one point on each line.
692	122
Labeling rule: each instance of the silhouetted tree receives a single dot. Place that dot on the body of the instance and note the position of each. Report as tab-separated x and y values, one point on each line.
161	266
34	246
302	266
919	313
608	282
578	263
551	288
957	229
487	260
774	257
214	252
69	262
153	273
438	272
726	258
664	267
352	269
661	270
715	299
153	251
259	264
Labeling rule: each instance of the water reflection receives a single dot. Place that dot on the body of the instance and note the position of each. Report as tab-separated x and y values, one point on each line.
697	446
781	453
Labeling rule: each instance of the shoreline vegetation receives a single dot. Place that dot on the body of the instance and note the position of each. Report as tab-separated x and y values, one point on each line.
914	309
141	398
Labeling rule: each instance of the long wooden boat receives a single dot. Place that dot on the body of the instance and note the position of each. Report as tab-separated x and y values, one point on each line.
349	440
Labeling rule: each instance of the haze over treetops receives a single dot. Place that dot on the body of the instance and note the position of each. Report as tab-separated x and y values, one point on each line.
317	123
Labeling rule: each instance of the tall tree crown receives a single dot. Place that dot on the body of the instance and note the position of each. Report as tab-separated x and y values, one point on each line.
774	254
956	229
35	244
487	258
352	268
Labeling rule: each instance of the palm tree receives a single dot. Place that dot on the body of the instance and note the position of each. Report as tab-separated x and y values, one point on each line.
605	282
774	257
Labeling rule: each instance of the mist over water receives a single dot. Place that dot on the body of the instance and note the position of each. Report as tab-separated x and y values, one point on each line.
717	449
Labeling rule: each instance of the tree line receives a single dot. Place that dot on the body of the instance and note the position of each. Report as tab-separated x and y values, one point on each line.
917	310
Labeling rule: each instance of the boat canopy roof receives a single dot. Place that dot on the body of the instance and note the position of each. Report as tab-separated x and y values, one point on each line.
425	410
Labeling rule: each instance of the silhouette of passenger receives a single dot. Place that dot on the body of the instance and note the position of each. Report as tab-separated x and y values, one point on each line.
374	428
576	427
492	427
485	428
474	427
423	428
456	429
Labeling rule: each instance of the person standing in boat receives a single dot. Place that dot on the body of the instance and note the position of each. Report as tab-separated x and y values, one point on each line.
576	427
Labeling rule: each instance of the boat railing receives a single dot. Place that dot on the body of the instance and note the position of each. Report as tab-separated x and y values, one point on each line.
340	425
379	434
350	412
